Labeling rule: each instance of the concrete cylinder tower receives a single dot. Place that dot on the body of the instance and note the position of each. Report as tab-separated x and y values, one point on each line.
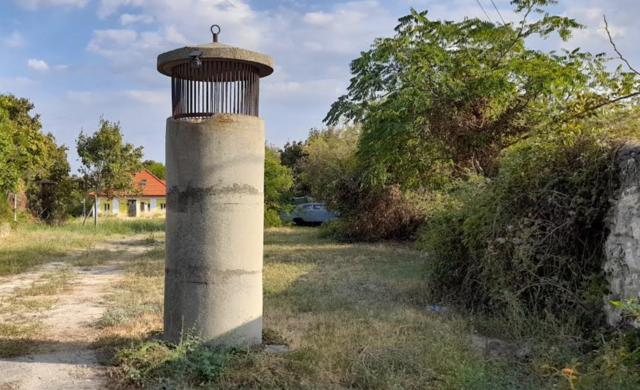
215	193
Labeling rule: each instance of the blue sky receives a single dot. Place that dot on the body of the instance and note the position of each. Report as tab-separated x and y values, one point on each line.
80	59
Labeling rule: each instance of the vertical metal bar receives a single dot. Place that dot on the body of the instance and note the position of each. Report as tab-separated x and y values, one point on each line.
237	77
217	87
216	100
254	94
242	88
193	92
246	89
257	96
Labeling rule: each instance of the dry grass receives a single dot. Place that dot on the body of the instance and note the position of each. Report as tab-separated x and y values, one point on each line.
31	245
354	316
68	246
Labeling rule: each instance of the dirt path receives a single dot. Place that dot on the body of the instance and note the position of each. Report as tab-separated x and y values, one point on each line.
63	358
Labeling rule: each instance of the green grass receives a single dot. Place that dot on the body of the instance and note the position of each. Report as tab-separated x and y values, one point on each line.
31	244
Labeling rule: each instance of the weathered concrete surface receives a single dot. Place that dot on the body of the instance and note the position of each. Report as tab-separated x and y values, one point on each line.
623	244
218	51
214	233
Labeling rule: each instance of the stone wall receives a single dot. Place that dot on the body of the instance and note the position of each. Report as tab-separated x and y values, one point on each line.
623	244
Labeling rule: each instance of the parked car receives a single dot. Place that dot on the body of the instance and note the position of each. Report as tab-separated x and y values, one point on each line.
308	214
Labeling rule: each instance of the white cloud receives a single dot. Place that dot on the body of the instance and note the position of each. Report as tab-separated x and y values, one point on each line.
126	19
14	39
150	97
35	4
318	18
37	64
42	65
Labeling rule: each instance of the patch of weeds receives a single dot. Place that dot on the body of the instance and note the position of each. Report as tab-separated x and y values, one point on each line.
16	339
270	336
113	316
92	257
51	284
33	304
119	315
150	239
157	364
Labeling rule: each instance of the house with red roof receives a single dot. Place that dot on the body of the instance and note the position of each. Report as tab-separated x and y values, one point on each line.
150	197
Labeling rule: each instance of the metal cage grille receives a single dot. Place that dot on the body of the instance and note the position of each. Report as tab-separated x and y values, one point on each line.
214	87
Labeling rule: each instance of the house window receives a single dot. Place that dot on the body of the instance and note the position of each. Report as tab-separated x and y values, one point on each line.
107	207
163	206
143	182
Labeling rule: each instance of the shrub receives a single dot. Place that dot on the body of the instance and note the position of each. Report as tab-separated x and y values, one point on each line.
156	364
531	239
331	169
388	215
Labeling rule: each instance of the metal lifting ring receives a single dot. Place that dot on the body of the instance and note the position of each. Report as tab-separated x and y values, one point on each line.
215	34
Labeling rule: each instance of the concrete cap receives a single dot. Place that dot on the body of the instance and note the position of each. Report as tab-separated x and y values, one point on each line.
215	51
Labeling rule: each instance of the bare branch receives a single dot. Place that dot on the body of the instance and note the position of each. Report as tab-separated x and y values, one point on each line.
606	27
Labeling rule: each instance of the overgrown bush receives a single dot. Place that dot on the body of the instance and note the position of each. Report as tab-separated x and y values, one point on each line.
386	215
331	170
531	239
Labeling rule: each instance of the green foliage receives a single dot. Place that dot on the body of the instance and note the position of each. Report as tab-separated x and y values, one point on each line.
278	180
157	168
50	192
24	149
329	168
32	161
108	163
334	175
441	99
531	240
155	364
292	153
630	309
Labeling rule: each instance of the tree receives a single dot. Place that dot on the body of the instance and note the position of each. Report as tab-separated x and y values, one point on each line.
23	147
157	168
291	156
442	98
278	179
108	163
330	168
50	192
292	153
25	152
